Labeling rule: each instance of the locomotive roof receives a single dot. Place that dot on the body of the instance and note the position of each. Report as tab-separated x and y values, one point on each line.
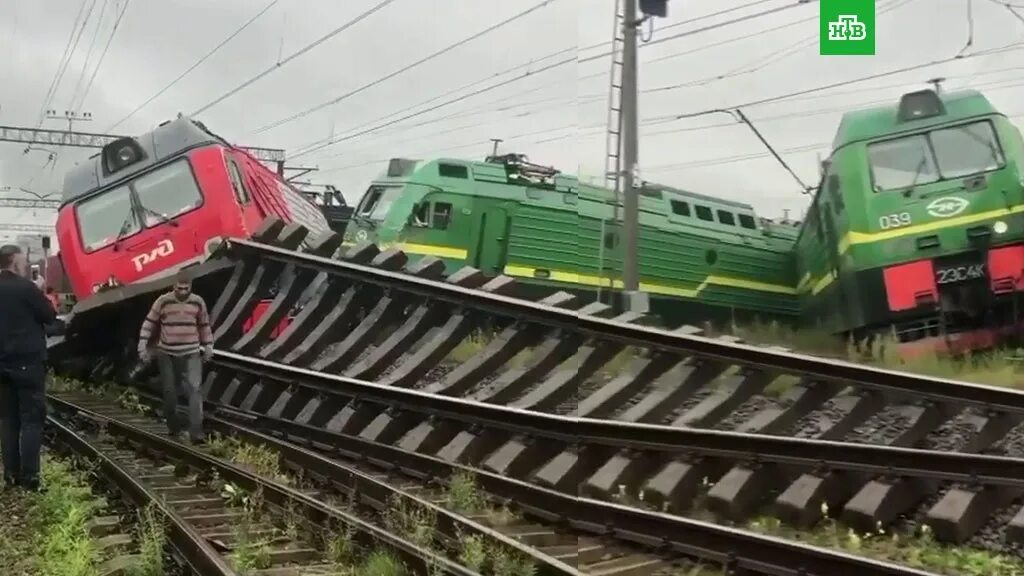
859	125
701	197
167	140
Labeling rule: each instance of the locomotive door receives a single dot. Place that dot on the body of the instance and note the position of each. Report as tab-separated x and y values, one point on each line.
492	247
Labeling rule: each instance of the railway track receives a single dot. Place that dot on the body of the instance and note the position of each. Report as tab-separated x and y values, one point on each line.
565	398
561	533
209	536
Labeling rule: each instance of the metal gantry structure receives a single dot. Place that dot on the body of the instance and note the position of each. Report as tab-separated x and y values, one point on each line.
75	139
7	227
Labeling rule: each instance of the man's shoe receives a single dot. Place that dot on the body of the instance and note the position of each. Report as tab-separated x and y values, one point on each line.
31	485
201	441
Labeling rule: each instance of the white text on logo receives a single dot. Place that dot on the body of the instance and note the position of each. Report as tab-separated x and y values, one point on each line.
164	248
848	27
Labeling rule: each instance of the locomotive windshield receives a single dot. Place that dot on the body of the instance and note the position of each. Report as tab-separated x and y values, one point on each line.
377	201
150	200
942	154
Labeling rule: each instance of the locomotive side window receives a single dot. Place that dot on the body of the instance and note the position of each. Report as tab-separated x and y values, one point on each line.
747	221
241	194
421	217
679	207
441	215
704	213
832	182
102	219
167	193
726	218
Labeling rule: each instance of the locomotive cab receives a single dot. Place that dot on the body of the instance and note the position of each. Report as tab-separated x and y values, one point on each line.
145	207
420	214
924	199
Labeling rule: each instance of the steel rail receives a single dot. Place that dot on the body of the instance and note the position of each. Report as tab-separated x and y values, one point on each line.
938	389
202	558
363	484
879	459
318	513
735	548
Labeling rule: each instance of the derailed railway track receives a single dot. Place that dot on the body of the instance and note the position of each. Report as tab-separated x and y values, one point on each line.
373	317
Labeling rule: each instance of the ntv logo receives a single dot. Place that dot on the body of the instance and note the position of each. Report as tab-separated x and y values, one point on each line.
846	26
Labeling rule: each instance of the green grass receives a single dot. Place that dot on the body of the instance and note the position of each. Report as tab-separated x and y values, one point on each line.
918	551
47	534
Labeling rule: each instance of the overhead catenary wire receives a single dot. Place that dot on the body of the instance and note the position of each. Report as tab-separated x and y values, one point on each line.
305	49
321	144
684	34
406	68
1011	46
688	21
196	64
61	65
88	54
772	57
103	55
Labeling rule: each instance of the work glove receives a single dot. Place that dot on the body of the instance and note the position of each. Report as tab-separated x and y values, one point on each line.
143	355
207	353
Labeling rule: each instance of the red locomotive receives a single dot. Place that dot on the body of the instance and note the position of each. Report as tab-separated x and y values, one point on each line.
145	207
142	209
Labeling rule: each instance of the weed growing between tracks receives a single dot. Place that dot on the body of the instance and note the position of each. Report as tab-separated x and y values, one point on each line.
47	534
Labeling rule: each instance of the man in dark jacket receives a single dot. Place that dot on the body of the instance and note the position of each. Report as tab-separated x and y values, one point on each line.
24	313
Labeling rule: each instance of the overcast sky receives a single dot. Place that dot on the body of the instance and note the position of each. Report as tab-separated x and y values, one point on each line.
556	116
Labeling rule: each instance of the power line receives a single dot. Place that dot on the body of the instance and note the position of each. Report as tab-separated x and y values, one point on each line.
776	56
829	86
196	64
435	151
293	56
321	144
688	21
102	56
60	64
477	82
106	48
768	12
406	68
88	54
489	106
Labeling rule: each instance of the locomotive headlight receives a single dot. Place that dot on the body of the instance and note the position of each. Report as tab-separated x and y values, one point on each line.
1000	227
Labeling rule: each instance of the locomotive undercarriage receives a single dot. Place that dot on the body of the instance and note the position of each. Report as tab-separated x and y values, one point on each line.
968	317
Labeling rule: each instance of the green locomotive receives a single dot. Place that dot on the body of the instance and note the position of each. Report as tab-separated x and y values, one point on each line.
918	225
701	258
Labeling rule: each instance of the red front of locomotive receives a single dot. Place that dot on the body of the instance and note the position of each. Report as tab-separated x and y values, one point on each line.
151	223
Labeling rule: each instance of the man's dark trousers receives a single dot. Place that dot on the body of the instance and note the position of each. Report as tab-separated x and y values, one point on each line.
184	372
23	409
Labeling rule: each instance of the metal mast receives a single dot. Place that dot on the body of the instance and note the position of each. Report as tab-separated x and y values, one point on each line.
613	146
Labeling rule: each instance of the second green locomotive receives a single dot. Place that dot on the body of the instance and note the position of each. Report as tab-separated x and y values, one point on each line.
701	258
918	224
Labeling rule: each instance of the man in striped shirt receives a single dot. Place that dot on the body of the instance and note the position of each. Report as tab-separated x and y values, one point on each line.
185	336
